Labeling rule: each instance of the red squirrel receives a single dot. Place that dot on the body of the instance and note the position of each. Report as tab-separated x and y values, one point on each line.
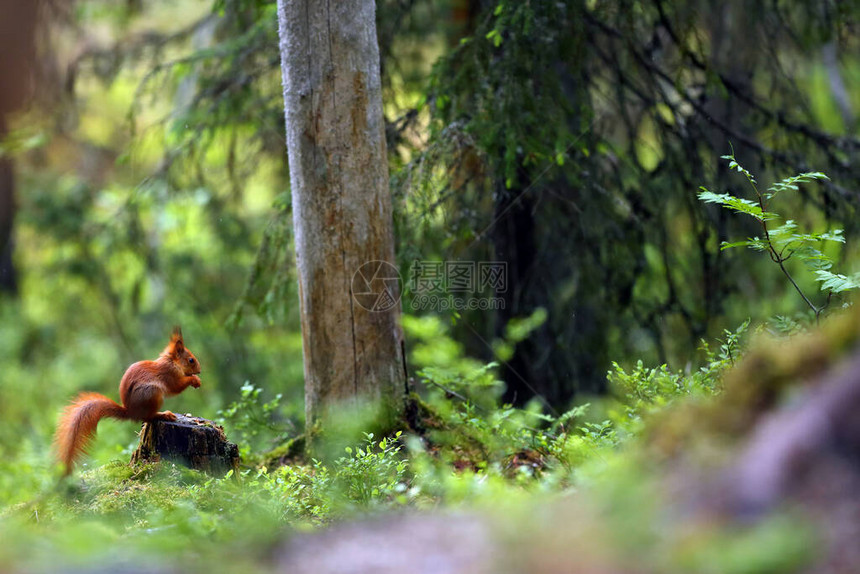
142	390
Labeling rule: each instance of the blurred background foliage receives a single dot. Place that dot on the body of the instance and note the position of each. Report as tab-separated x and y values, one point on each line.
568	139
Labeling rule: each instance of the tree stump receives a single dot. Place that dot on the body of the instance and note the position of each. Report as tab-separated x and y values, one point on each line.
191	441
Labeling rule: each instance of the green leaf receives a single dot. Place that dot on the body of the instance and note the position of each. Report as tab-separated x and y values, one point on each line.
835	235
738	204
836	282
755	243
786	230
733	164
496	37
790	183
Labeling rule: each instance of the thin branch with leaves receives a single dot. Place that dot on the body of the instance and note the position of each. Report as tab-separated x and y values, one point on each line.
783	242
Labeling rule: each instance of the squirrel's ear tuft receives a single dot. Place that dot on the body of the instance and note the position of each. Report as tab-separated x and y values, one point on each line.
176	341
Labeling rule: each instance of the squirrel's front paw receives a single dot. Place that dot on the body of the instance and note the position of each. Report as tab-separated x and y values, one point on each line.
195	381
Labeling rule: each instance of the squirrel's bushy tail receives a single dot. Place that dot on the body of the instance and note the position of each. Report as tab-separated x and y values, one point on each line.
78	425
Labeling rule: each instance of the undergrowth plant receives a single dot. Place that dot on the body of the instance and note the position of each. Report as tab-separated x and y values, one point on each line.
370	474
250	419
373	471
473	431
785	241
644	390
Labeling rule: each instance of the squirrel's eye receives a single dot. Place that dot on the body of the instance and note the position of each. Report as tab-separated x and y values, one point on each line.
191	360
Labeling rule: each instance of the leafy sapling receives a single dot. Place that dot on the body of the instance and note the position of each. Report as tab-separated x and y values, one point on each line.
250	418
782	242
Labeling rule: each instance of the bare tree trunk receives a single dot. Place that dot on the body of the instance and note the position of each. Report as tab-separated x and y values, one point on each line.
17	60
8	277
341	204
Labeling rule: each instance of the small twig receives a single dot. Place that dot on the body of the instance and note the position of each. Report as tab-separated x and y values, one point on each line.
455	394
816	310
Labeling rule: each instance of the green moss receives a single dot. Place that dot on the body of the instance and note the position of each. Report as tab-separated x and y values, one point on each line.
779	544
292	450
771	366
774	364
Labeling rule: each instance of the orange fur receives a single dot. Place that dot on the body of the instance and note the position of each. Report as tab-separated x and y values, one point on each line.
142	390
78	424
